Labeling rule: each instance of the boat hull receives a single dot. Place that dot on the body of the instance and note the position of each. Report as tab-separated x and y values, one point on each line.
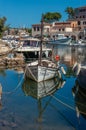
82	78
40	73
66	41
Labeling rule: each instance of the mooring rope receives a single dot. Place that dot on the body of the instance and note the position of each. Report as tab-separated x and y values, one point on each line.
12	91
79	103
63	102
62	115
70	107
65	97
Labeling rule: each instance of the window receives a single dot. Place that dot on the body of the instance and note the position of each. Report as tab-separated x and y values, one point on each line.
78	22
37	28
34	28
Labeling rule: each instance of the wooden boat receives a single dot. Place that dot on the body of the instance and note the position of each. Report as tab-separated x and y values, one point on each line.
42	69
47	70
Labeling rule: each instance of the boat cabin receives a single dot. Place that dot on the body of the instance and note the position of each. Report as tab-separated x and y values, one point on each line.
30	42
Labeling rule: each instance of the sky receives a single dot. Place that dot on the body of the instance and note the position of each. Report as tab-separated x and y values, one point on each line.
24	13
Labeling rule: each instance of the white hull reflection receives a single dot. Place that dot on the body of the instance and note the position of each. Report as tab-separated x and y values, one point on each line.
41	89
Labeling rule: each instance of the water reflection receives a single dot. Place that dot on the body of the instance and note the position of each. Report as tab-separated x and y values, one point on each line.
69	55
82	76
25	112
79	93
2	72
41	89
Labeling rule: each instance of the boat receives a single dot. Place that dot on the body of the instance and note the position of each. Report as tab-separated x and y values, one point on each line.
82	42
30	47
41	89
79	94
61	40
42	69
46	70
80	71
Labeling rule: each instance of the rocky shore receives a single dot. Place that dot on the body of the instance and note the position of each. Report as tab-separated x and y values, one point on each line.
11	62
5	61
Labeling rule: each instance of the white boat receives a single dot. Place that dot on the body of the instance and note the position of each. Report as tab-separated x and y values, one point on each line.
30	47
42	69
82	42
62	40
47	70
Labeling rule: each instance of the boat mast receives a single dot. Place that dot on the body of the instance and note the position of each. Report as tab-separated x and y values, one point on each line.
40	56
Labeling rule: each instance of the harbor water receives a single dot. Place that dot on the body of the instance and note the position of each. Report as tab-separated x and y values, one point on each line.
56	104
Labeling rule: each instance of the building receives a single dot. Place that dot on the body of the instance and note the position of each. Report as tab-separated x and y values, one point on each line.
66	28
80	16
36	29
75	27
52	30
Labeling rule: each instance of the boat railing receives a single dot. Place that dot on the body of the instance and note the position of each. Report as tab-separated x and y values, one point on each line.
29	60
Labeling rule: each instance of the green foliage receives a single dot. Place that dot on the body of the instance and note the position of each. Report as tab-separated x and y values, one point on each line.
3	27
50	17
29	30
70	12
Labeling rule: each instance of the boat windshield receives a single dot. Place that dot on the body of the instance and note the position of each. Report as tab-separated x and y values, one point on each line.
31	43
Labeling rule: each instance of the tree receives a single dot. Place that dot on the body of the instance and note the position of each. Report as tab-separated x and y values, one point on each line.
29	30
3	27
50	17
70	12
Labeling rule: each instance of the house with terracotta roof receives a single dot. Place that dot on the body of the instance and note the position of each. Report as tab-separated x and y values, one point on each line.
55	28
36	29
75	27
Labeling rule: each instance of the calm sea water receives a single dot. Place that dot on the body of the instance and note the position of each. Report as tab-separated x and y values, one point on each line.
52	105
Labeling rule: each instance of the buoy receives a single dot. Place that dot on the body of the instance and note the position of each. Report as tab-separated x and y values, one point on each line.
78	69
74	65
0	91
63	71
59	74
63	84
57	57
77	112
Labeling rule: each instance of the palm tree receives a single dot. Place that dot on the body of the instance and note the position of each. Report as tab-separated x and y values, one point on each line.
70	12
